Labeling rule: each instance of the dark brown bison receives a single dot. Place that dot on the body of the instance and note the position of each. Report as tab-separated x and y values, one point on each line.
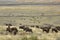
22	27
46	28
28	29
54	29
11	30
58	28
14	30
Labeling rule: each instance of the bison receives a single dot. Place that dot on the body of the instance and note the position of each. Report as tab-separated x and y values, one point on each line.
22	27
54	29
58	28
46	28
27	29
13	30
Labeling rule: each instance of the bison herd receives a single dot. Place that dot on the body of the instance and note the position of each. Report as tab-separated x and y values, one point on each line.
45	28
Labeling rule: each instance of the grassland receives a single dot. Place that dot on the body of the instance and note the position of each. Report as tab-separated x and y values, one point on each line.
22	35
29	15
30	11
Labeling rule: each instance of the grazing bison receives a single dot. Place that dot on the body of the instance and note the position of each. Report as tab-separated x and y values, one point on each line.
58	28
11	30
46	28
14	30
27	29
54	29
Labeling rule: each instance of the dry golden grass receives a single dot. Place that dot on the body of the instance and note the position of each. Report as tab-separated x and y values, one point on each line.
36	35
43	9
30	10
